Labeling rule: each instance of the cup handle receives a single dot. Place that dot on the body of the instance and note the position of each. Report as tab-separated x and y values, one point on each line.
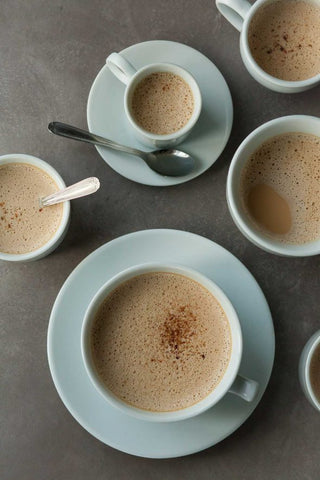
120	67
235	11
245	388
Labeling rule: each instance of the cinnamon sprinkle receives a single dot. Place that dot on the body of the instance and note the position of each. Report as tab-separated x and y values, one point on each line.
178	330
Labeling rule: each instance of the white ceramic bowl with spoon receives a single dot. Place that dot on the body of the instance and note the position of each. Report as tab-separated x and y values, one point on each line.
62	195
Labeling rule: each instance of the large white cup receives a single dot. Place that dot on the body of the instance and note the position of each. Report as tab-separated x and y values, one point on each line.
304	369
231	381
128	75
240	13
292	123
59	235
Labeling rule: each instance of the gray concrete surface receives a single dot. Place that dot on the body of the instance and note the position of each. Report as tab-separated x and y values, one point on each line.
50	52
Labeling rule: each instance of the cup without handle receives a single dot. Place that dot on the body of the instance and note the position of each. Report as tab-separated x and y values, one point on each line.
120	67
235	11
245	388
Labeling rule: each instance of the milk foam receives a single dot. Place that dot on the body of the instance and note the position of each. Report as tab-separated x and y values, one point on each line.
284	39
290	164
24	226
162	103
161	342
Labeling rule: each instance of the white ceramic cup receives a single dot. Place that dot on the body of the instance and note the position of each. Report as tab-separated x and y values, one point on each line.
292	123
59	235
128	75
304	369
243	387
240	13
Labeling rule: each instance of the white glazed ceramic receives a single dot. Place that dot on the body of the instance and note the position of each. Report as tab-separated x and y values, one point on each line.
304	369
111	425
245	388
240	13
128	75
292	123
106	115
57	238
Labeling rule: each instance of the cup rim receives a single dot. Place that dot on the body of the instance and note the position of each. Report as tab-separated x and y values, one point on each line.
314	345
243	224
235	329
270	78
192	83
47	247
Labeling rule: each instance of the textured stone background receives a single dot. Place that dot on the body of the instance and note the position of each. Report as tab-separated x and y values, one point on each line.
50	53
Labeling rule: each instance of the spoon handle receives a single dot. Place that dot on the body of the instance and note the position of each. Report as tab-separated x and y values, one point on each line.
65	130
77	190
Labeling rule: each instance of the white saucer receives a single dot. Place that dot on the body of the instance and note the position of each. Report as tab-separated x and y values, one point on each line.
106	117
90	409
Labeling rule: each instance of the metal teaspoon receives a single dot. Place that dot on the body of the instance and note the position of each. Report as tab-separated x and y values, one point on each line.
169	162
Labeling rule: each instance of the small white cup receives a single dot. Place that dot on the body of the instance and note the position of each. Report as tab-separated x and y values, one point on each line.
240	13
304	369
128	75
243	387
59	235
292	123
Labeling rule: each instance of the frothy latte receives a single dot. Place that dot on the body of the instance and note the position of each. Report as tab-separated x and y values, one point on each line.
24	226
161	342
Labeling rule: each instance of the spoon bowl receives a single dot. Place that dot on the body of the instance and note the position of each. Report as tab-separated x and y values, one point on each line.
171	163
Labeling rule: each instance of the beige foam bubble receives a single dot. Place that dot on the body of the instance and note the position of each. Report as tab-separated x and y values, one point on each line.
161	342
24	226
284	39
290	164
162	103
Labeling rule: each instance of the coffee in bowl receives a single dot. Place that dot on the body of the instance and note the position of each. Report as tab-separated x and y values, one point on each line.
280	188
162	103
163	343
160	341
284	39
25	226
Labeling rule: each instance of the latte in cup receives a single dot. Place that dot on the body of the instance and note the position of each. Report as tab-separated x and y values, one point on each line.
24	225
284	39
160	342
162	103
280	188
